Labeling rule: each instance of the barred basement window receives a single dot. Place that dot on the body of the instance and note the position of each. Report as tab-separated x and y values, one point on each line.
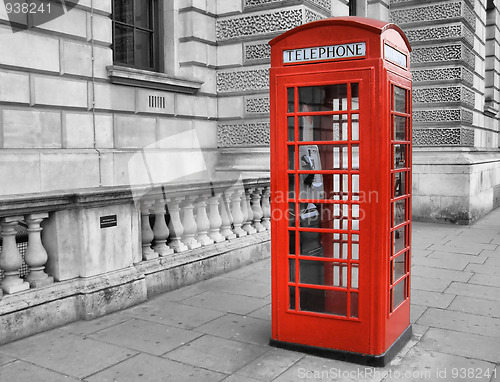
135	33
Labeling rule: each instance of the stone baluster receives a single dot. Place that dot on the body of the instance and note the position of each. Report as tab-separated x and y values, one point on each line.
10	258
266	208
258	214
189	223
247	212
160	229
225	214
147	234
202	220
237	213
36	256
215	219
175	225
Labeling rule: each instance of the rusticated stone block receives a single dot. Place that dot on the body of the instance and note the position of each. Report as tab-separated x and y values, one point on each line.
258	24
256	51
455	136
257	105
242	135
242	80
443	74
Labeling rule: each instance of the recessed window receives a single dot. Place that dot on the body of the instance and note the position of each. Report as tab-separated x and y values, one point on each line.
135	33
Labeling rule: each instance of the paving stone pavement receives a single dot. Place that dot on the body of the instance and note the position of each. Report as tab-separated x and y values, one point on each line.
219	329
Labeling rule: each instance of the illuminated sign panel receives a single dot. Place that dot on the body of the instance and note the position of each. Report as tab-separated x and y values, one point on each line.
321	53
395	56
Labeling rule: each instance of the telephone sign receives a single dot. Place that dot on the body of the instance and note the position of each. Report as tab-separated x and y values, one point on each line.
341	182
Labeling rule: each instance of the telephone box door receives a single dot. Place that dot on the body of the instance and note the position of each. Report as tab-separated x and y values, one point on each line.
323	270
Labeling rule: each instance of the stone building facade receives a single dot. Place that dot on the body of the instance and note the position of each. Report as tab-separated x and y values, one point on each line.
124	124
74	117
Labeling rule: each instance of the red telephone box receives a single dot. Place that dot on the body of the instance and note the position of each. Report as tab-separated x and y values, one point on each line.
341	182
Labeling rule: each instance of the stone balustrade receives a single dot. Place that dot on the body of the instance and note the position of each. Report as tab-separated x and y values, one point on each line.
171	220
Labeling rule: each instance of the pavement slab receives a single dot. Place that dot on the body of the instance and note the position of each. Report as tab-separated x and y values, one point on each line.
225	302
147	337
429	365
239	328
218	329
429	298
172	313
476	306
468	345
20	371
148	368
474	290
270	365
217	354
462	322
67	353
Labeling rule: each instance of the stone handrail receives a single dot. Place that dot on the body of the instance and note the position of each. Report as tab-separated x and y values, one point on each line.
174	218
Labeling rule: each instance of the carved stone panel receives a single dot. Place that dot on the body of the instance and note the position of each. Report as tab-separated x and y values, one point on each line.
258	24
443	94
243	135
443	74
440	33
242	80
454	136
256	51
257	105
443	53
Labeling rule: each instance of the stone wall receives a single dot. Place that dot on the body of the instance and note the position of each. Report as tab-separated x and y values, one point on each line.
242	79
71	120
455	112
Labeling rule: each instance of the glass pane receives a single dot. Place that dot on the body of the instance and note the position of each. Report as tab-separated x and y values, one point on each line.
322	273
323	98
323	301
354	276
322	215
291	293
355	187
355	247
123	48
291	157
142	14
400	99
400	128
399	212
398	294
399	240
291	186
354	96
123	11
323	128
291	214
399	267
291	99
143	49
399	184
340	246
291	243
355	127
399	152
355	157
354	304
340	124
355	211
310	244
291	270
291	129
324	157
311	186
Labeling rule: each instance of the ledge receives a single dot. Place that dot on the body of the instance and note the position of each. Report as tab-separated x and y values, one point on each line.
121	75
